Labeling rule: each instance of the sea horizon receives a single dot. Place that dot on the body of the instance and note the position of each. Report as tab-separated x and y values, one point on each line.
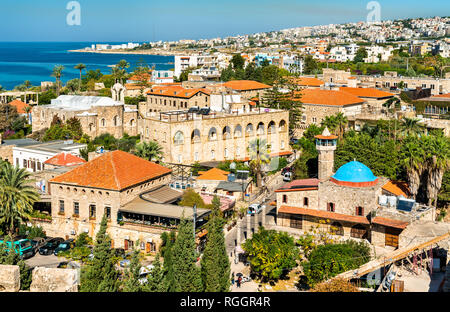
34	61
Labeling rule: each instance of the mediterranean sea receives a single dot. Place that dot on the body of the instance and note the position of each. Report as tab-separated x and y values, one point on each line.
34	61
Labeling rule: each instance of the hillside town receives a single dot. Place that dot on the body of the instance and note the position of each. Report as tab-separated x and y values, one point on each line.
311	159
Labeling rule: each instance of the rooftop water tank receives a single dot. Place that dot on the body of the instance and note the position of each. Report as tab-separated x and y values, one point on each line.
383	200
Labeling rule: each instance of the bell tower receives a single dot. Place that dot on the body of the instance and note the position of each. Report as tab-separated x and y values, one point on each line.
326	145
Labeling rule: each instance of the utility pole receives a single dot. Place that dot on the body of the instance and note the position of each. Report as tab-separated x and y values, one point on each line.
195	217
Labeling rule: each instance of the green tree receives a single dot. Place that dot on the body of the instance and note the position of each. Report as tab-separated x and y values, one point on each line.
186	273
17	196
238	61
57	73
327	261
271	254
80	67
100	275
215	264
132	274
191	198
411	127
156	280
149	150
361	54
259	152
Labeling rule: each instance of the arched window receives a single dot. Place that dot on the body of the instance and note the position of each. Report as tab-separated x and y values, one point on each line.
116	121
260	128
271	128
91	126
212	135
238	131
178	138
358	231
195	136
249	130
103	122
132	123
226	133
282	126
146	131
213	155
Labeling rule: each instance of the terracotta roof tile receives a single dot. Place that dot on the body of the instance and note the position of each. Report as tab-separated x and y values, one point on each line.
390	222
366	92
300	185
20	106
176	91
328	97
398	188
65	159
323	214
213	174
115	170
308	81
441	96
245	85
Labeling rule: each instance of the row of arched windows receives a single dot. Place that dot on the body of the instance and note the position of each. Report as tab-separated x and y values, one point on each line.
226	132
116	123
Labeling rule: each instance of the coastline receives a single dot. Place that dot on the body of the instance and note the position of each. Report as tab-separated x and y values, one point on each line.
143	52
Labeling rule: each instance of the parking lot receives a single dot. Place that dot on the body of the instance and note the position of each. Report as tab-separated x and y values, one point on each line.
50	261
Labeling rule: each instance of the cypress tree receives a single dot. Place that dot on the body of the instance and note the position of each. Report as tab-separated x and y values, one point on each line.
101	275
215	264
132	283
186	274
156	281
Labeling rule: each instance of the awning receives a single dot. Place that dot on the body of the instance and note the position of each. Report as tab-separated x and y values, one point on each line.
162	195
323	214
143	207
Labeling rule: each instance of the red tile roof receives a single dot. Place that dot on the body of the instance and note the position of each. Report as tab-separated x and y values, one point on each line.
310	82
20	106
115	170
398	188
176	91
328	97
245	85
213	174
366	92
300	185
441	96
390	222
323	214
65	159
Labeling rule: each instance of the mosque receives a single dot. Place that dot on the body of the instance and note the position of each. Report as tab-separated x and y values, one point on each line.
352	202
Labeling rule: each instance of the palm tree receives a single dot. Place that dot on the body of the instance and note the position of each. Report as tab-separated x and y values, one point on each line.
28	110
150	150
438	154
80	67
411	126
57	73
331	123
341	122
27	84
259	152
413	159
118	73
17	196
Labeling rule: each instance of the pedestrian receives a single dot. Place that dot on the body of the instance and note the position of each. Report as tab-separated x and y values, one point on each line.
238	283
232	278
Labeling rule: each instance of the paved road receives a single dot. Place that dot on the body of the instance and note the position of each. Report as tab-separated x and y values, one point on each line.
50	261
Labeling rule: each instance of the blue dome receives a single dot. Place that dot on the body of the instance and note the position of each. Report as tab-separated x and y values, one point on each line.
354	172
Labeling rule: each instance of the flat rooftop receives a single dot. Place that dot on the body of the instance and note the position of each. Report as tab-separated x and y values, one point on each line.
53	146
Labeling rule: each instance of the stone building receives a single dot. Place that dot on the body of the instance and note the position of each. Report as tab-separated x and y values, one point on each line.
188	137
247	88
131	191
97	115
318	104
174	97
352	202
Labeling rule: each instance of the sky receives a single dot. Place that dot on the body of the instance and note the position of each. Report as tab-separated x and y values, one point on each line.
152	20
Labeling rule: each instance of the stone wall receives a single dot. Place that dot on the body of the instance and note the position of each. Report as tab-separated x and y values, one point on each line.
9	278
6	153
346	198
219	147
54	280
159	103
297	199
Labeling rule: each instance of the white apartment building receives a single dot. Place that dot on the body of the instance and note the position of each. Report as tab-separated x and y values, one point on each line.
183	62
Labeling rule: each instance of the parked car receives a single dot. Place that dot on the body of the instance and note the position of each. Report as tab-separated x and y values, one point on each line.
287	177
254	209
64	246
22	247
50	246
244	278
38	242
286	169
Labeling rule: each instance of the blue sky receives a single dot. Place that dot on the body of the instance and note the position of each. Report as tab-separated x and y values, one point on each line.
149	20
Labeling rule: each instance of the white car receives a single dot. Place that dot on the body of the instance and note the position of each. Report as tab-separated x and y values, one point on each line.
254	209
